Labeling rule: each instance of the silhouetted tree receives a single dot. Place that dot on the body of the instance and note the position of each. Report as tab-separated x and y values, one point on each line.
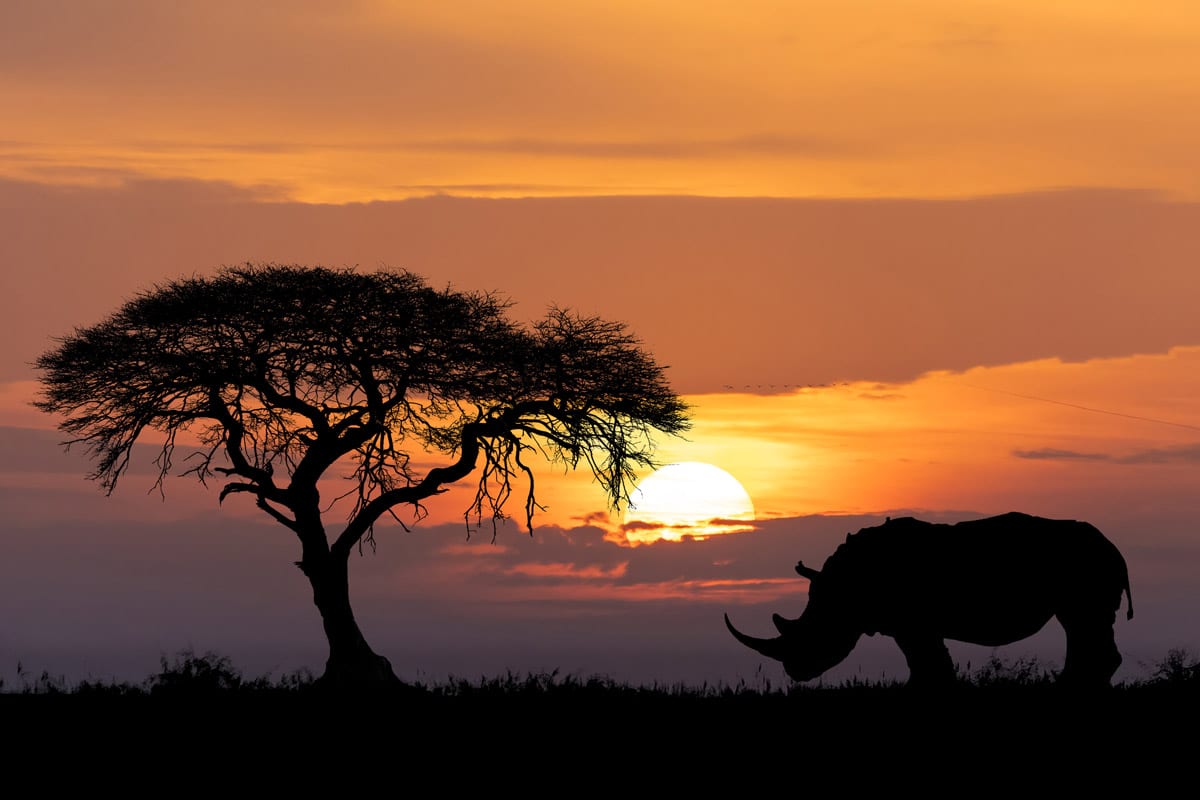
286	374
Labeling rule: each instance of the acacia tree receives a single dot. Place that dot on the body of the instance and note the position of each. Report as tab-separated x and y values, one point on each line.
279	376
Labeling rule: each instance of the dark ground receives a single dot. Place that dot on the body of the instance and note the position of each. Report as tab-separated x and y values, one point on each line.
543	733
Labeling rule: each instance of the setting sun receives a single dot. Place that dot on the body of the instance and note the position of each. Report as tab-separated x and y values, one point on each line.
687	499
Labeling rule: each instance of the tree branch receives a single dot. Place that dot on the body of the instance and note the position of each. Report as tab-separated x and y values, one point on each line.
277	514
235	432
432	484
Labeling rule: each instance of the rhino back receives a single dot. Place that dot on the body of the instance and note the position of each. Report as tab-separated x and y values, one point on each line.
989	581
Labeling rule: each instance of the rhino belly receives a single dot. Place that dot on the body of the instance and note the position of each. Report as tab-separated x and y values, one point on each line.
994	627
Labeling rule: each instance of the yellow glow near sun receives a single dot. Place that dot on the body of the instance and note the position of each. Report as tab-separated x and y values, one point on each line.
687	499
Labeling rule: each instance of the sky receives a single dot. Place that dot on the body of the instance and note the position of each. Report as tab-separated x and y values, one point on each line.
931	258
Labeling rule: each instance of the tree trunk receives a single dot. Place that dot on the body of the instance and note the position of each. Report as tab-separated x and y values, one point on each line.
352	665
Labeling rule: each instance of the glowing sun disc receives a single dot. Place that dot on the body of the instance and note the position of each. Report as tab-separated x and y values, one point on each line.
690	498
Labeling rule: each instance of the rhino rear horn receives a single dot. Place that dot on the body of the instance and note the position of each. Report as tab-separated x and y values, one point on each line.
771	648
806	572
783	624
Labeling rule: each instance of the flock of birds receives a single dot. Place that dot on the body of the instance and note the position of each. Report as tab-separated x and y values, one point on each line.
731	387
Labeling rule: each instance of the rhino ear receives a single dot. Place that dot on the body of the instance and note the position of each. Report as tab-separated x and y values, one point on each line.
806	572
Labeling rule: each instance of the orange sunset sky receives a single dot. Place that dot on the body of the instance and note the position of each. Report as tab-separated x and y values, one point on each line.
939	258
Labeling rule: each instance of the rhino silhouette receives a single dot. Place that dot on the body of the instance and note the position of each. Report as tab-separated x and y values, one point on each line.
989	581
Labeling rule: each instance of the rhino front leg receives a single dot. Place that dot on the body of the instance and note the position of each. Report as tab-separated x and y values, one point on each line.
929	662
1092	654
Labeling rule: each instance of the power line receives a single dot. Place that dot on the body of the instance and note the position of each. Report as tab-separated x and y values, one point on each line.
1086	408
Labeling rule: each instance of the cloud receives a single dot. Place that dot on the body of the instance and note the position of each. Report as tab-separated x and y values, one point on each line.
1056	454
592	518
82	189
1178	454
642	525
568	571
658	149
580	565
730	522
532	188
668	149
461	549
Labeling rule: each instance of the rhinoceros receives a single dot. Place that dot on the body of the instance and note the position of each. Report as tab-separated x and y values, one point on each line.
988	581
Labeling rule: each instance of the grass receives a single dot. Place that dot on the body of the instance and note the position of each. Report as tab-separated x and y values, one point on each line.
208	675
198	713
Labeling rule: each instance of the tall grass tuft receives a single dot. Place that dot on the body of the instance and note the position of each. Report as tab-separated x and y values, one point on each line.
997	673
1180	669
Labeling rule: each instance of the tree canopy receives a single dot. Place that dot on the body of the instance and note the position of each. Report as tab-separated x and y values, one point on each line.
279	373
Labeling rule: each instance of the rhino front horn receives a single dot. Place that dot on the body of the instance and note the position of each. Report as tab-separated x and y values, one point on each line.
771	648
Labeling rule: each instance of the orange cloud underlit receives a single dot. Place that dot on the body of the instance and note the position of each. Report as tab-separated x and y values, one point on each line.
568	571
734	591
495	550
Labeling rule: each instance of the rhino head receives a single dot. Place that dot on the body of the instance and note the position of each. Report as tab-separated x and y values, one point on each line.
813	643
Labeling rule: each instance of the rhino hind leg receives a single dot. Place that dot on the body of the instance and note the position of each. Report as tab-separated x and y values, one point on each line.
929	662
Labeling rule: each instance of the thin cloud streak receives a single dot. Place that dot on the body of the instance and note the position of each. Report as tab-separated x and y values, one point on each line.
776	144
1053	453
633	149
1178	454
